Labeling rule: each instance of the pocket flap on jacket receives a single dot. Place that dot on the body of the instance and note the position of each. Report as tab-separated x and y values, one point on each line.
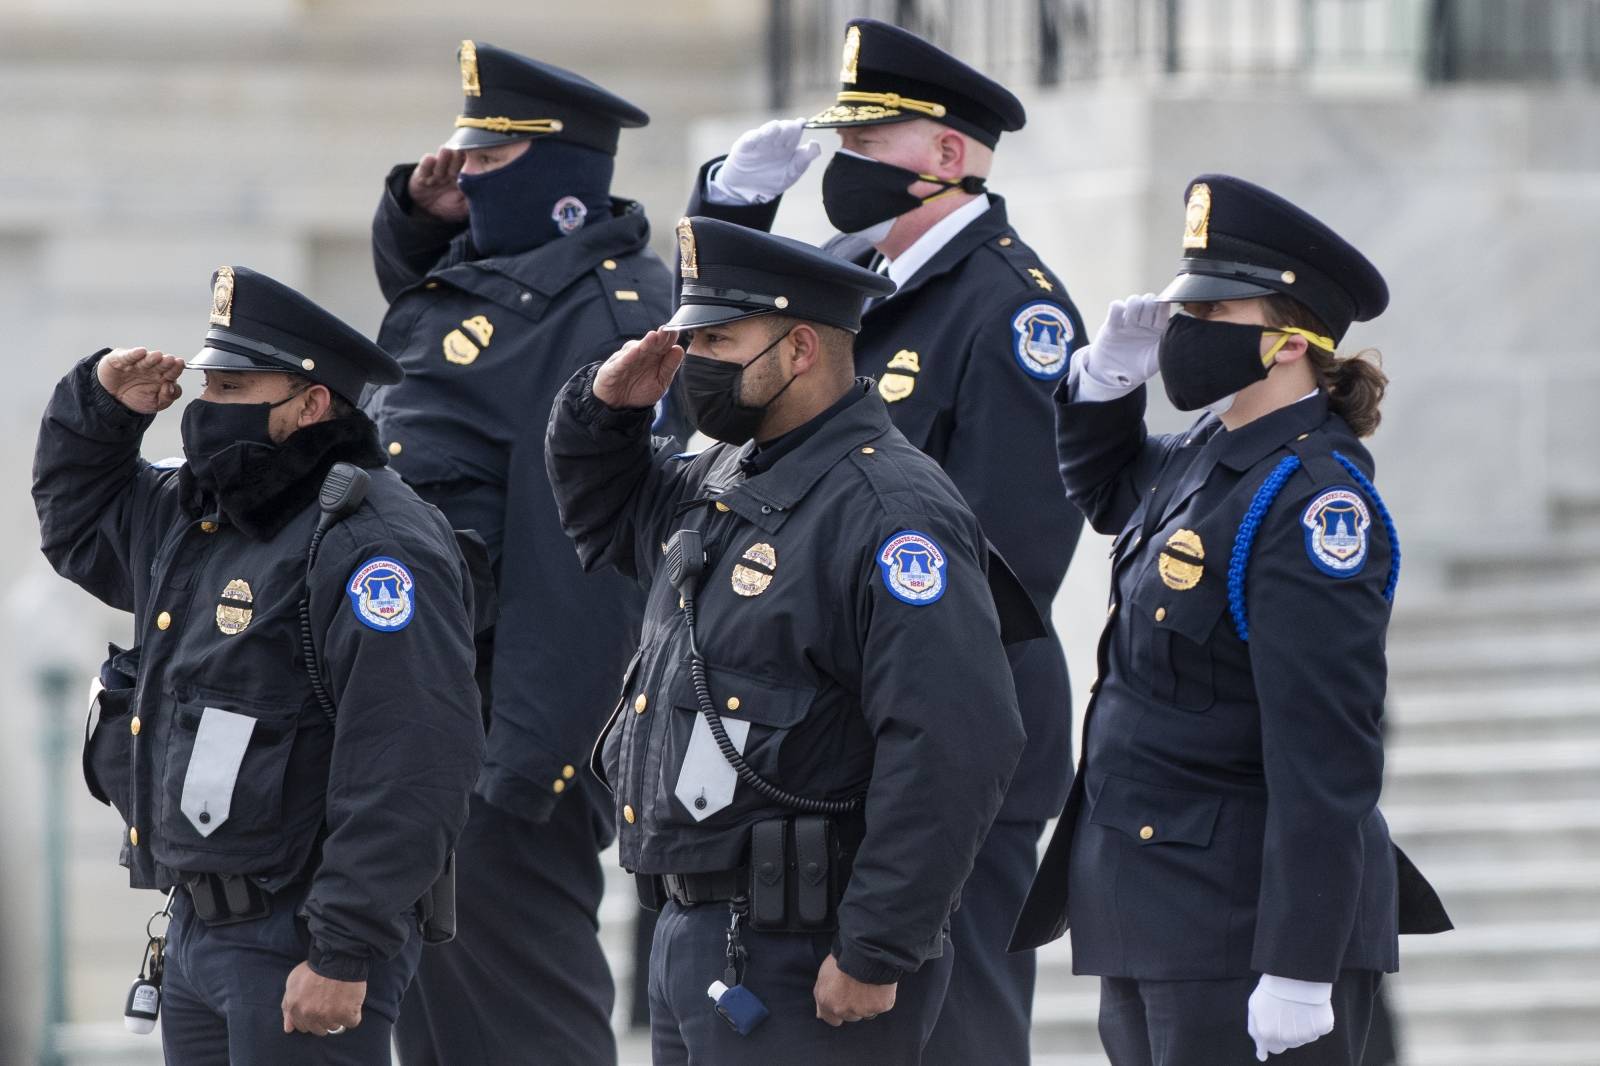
1154	815
743	697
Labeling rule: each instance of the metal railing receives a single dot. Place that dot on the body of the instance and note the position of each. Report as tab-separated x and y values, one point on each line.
1051	42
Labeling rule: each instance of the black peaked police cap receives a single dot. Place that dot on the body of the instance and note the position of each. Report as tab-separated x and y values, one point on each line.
728	272
513	98
261	324
891	75
1240	240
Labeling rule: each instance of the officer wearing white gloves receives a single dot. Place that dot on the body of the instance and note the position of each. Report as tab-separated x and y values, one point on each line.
966	354
1222	863
764	163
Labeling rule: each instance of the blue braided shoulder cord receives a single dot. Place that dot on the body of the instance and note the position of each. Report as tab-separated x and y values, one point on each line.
1388	524
1245	540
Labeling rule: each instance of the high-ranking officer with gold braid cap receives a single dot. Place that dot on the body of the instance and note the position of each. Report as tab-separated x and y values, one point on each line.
1222	862
965	353
292	735
507	265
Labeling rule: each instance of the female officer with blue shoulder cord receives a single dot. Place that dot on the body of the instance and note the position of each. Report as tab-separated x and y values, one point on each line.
1222	863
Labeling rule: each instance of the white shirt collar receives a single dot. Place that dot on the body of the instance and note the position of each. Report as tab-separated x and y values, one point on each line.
929	244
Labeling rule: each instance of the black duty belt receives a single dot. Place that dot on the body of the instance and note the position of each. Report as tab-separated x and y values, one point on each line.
689	890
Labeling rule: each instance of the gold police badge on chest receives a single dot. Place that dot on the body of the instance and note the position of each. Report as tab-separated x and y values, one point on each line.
459	348
234	609
752	574
900	379
1182	561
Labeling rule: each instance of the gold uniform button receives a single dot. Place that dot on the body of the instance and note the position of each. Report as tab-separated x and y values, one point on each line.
559	787
133	836
610	264
395	447
208	526
627	814
1147	832
869	451
1303	436
733	703
431	285
133	726
722	507
640	703
1161	614
568	772
1005	242
308	364
163	621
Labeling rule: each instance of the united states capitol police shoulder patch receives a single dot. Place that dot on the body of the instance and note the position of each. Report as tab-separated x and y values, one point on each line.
1337	524
382	594
913	567
1041	339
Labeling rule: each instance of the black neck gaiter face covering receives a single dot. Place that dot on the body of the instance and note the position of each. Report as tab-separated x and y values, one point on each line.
549	191
1204	362
859	193
711	390
222	441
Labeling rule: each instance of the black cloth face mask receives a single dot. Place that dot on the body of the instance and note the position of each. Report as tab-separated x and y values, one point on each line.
220	440
548	191
711	392
1204	363
859	193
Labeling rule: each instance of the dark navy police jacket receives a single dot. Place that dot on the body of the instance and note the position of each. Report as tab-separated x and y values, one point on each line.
366	809
966	355
486	343
1224	820
850	634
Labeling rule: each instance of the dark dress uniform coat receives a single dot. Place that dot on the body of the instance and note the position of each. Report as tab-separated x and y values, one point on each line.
1224	820
365	809
486	343
966	354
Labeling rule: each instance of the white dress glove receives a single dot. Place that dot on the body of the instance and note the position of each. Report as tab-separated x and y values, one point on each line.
1285	1013
762	164
1123	354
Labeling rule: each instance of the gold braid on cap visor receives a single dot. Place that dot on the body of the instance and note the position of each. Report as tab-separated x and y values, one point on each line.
501	124
886	104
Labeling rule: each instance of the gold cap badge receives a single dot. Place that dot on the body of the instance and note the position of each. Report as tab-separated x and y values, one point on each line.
852	55
469	69
1180	562
1197	217
688	261
222	297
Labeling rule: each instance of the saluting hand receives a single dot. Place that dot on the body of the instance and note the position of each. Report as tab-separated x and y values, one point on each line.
320	1005
433	187
141	379
638	373
841	998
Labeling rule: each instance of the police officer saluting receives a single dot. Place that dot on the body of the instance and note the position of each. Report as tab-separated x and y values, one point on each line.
293	735
1222	861
507	265
819	725
966	354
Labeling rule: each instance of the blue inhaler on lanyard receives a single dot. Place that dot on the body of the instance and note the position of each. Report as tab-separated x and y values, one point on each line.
738	1006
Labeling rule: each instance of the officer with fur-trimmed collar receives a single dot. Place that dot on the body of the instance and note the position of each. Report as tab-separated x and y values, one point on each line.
292	736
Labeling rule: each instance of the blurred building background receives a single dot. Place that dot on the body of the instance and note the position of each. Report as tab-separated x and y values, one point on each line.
1457	142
